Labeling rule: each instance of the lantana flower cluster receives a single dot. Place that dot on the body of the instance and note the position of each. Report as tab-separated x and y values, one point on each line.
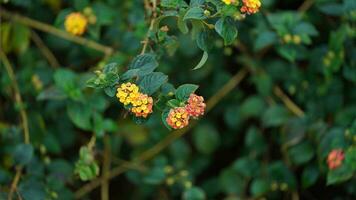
248	6
179	117
141	105
335	158
76	23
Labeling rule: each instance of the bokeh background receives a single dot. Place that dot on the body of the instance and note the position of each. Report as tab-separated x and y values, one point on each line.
280	98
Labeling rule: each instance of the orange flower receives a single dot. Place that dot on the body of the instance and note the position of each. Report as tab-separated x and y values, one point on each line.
335	158
250	6
196	105
178	118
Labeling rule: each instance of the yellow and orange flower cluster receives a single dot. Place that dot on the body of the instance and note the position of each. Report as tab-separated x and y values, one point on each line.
179	117
128	94
142	106
335	158
196	105
76	23
250	6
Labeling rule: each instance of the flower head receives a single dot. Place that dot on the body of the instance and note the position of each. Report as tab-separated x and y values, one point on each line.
127	93
335	158
142	105
228	2
250	6
75	23
195	106
178	118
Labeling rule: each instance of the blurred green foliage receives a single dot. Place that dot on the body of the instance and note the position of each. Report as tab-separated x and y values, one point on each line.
254	144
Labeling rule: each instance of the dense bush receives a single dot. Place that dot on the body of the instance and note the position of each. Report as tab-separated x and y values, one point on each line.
92	90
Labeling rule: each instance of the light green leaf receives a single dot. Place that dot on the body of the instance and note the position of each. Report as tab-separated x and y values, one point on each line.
202	61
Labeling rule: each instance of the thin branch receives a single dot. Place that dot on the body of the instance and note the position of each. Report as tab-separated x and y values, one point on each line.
44	50
15	182
18	98
305	6
161	145
23	114
288	102
106	169
153	20
57	32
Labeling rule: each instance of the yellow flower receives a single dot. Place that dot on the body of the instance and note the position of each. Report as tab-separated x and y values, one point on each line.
297	39
178	118
250	6
127	93
75	23
228	2
142	105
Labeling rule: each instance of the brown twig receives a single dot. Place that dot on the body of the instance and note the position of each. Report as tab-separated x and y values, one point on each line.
23	114
106	168
305	6
57	32
288	102
161	145
44	50
153	20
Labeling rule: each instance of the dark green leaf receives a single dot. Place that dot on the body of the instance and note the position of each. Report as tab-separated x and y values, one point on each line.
150	83
183	92
195	13
226	28
23	154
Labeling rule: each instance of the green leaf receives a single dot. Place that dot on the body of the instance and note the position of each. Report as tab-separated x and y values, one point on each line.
309	176
206	139
150	83
194	193
164	116
145	63
305	28
20	37
252	107
259	187
340	174
202	61
171	3
110	91
32	189
173	103
155	176
226	28
23	154
183	92
182	25
246	167
265	39
275	116
350	158
195	3
80	115
51	93
80	4
195	13
204	40
231	182
301	153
